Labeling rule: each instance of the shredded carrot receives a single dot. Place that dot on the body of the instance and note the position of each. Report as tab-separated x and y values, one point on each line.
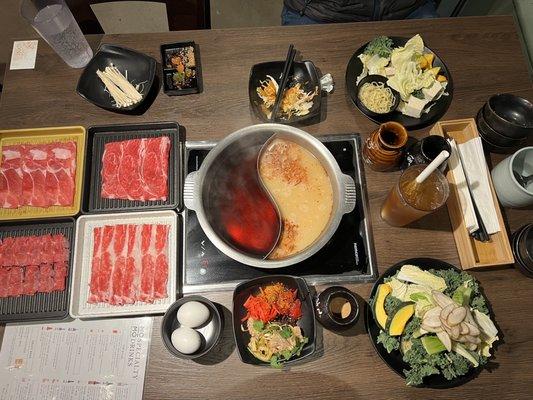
273	301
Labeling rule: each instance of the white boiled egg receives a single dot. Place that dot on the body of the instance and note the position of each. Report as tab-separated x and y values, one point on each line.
186	340
193	314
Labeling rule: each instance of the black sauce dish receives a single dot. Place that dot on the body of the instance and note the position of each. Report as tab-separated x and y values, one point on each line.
210	331
493	136
337	308
522	246
375	78
509	115
306	322
195	84
303	72
140	68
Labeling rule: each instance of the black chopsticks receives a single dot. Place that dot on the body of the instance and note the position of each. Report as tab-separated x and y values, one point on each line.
284	79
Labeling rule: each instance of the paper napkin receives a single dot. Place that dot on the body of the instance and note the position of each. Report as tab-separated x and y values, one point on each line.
478	177
24	54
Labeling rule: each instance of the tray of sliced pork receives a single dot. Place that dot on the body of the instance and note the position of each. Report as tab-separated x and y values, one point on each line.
133	167
124	264
41	172
35	271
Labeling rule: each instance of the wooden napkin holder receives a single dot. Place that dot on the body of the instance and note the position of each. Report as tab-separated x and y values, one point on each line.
472	253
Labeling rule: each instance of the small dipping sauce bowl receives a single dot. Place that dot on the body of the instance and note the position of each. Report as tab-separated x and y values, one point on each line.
337	308
209	332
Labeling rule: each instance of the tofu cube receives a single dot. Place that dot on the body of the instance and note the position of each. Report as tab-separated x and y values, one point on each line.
414	107
431	92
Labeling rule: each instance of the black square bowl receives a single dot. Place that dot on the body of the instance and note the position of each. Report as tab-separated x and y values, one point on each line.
140	68
303	72
307	322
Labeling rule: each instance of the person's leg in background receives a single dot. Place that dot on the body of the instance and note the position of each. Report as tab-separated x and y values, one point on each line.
289	17
427	10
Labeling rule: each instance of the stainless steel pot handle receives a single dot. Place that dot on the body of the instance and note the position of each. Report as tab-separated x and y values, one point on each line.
189	197
349	193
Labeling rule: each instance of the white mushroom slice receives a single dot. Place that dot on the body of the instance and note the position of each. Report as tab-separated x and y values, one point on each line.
434	311
464	328
441	299
472	339
456	331
469	318
445	339
432	321
456	316
430	329
471	346
474	331
446	311
447	329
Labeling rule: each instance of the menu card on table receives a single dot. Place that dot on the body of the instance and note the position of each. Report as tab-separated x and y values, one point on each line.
103	359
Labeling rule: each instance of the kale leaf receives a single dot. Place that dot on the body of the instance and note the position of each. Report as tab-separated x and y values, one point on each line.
389	342
381	45
391	304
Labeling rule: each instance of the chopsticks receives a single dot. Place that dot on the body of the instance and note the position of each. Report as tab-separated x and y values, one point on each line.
284	79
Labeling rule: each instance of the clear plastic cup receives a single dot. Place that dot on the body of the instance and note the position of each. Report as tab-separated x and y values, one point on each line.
55	23
408	201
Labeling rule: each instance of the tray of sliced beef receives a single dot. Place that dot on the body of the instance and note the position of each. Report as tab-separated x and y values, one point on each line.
134	167
125	264
41	172
35	271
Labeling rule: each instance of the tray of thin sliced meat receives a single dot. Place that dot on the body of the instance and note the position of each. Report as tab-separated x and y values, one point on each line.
125	264
134	167
41	172
35	271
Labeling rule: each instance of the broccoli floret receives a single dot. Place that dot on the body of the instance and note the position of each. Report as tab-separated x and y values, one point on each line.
381	45
389	342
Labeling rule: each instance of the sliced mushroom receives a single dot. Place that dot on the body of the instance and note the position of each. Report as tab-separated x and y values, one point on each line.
471	346
456	316
441	299
446	312
474	331
464	328
472	339
431	329
445	339
455	332
432	321
434	311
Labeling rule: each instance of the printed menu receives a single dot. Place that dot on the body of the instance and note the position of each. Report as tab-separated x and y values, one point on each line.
104	359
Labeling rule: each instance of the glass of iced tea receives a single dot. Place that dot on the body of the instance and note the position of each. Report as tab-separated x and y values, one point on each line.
408	200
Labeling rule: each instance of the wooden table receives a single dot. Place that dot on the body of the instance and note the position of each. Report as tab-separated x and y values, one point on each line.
484	57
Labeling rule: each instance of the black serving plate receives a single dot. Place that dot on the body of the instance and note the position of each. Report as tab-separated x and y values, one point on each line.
306	322
394	359
140	68
302	72
196	84
354	69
